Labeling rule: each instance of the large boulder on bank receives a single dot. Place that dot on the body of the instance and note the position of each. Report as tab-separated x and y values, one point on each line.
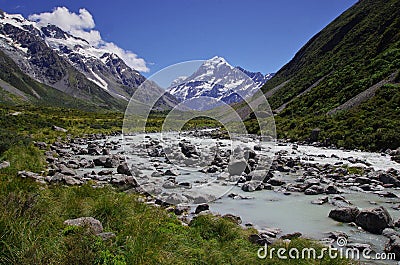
374	220
344	214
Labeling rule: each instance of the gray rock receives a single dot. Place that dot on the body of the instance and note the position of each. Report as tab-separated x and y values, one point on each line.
359	246
234	218
107	235
237	167
176	198
171	172
320	200
41	145
66	171
124	169
111	162
260	239
169	185
393	246
90	222
344	214
58	129
314	190
374	220
99	162
4	164
105	172
332	189
276	181
388	232
201	208
69	180
252	186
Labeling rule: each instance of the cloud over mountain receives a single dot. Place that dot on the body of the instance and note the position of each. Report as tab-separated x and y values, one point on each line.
82	25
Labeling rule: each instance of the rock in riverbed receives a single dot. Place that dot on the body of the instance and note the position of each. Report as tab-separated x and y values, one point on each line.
374	220
344	214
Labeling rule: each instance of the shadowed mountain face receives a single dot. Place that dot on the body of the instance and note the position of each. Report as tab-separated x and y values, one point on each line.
54	58
344	80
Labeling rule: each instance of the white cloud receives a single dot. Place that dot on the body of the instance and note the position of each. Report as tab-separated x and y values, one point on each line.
82	25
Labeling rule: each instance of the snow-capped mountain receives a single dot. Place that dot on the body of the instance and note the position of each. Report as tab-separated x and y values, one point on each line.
68	63
216	78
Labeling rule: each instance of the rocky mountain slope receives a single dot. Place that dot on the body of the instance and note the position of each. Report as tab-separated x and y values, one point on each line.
344	81
56	59
216	78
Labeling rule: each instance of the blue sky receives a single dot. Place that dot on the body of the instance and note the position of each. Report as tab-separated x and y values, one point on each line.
255	34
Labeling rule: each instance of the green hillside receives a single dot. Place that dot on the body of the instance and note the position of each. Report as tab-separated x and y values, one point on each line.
32	92
359	51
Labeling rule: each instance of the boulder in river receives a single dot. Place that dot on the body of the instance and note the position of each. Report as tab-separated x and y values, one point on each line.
344	214
201	208
252	186
374	220
236	167
124	169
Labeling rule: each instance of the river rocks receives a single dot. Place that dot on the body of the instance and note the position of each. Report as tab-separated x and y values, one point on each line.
320	201
332	189
252	186
171	172
93	149
212	169
237	167
261	175
260	239
124	169
374	220
111	162
66	171
388	179
201	208
90	222
34	176
104	172
291	235
188	150
175	198
276	181
169	185
388	232
344	214
393	246
234	218
314	190
41	145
